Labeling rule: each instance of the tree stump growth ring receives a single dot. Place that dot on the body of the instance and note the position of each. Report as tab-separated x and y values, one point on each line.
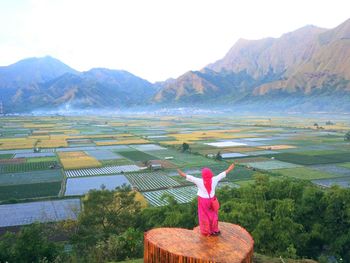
177	245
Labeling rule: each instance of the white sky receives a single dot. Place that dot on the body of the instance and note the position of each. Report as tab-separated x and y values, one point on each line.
154	39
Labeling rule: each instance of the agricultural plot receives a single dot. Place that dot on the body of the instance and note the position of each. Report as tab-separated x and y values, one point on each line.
12	161
31	177
16	151
174	143
80	142
305	159
260	139
104	155
138	156
158	137
77	160
102	171
181	195
147	147
331	168
346	165
277	147
342	182
272	165
24	191
116	148
151	181
183	159
25	167
226	144
33	155
76	149
6	156
240	173
44	211
80	186
232	155
256	153
116	162
164	164
40	159
17	143
251	160
124	142
249	143
304	173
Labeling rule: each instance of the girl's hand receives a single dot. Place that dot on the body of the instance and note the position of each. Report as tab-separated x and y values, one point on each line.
230	168
181	173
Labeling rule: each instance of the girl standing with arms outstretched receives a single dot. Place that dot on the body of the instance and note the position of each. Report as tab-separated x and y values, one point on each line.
208	206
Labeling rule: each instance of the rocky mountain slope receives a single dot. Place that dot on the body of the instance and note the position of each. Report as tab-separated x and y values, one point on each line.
46	83
300	69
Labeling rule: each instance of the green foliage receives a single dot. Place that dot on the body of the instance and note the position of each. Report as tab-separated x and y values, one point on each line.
218	156
291	218
119	247
185	147
30	244
347	136
106	221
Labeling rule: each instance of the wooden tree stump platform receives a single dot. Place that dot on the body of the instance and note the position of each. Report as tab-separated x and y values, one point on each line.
173	245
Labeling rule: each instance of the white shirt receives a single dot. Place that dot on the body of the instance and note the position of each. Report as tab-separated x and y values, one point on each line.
202	191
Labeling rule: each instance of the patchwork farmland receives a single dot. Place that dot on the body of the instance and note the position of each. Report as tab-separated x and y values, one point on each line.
58	157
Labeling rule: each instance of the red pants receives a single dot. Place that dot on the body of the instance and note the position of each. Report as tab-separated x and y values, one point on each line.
207	217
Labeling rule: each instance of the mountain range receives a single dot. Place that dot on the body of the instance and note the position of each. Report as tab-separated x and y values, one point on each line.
307	69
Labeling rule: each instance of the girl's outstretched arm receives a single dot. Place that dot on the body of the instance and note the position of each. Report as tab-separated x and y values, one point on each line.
230	168
181	173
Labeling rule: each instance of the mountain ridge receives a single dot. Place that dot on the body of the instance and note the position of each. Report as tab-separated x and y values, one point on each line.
308	62
298	70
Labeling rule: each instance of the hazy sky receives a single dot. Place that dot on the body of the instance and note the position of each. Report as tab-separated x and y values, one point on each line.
154	39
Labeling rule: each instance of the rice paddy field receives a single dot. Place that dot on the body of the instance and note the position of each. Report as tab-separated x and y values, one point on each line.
58	156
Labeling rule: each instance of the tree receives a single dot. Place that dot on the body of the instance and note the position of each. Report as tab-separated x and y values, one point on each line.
105	213
30	244
347	136
218	156
118	247
185	147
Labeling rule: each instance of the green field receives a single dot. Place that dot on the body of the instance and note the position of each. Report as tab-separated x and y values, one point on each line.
116	162
137	156
31	177
305	173
24	191
307	159
25	167
6	156
346	165
41	159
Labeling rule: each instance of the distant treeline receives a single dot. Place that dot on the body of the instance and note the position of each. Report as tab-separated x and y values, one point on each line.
288	218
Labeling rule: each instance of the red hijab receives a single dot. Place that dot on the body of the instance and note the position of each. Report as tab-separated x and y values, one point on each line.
207	176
